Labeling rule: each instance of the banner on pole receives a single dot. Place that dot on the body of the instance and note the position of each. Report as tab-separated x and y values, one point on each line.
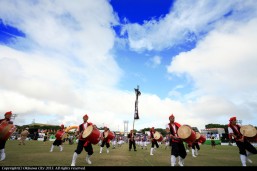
138	93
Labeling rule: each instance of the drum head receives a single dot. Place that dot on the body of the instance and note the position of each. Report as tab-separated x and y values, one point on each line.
248	130
198	135
184	131
157	135
87	131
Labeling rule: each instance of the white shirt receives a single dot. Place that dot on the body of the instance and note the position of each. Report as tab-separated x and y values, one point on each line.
230	130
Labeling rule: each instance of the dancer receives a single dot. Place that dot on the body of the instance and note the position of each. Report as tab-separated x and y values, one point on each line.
58	139
82	142
177	146
244	146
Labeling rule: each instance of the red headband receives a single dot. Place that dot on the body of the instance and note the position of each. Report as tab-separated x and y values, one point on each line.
85	116
171	116
232	119
8	113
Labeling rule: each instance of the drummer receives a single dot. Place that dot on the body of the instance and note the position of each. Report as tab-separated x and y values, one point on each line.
244	146
58	141
7	118
83	143
177	146
195	147
105	139
154	141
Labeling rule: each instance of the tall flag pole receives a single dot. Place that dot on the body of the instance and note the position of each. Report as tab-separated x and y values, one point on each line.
136	116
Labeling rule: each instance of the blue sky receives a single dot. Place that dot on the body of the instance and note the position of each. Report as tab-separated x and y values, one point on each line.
60	60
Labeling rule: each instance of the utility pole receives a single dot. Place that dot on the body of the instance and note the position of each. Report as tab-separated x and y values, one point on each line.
126	128
14	116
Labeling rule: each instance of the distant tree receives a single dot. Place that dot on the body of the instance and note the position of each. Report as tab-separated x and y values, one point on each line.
214	126
145	129
162	131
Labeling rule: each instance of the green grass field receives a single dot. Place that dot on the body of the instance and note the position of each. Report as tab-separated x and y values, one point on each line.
36	153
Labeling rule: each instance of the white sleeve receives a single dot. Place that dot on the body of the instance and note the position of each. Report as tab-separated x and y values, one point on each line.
230	131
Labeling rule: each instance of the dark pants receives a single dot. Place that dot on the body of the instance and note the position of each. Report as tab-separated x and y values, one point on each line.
195	145
105	142
132	143
88	148
155	143
57	142
2	144
246	145
178	149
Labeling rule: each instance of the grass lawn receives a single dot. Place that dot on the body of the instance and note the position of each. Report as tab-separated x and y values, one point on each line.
36	153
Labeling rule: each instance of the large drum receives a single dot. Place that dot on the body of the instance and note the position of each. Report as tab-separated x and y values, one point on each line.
60	135
201	139
109	135
158	136
6	130
249	131
92	134
187	134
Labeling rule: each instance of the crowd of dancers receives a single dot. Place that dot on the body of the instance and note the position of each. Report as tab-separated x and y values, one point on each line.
88	135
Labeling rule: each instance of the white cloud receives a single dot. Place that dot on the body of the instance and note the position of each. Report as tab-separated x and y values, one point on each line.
67	68
67	56
154	61
185	18
223	69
